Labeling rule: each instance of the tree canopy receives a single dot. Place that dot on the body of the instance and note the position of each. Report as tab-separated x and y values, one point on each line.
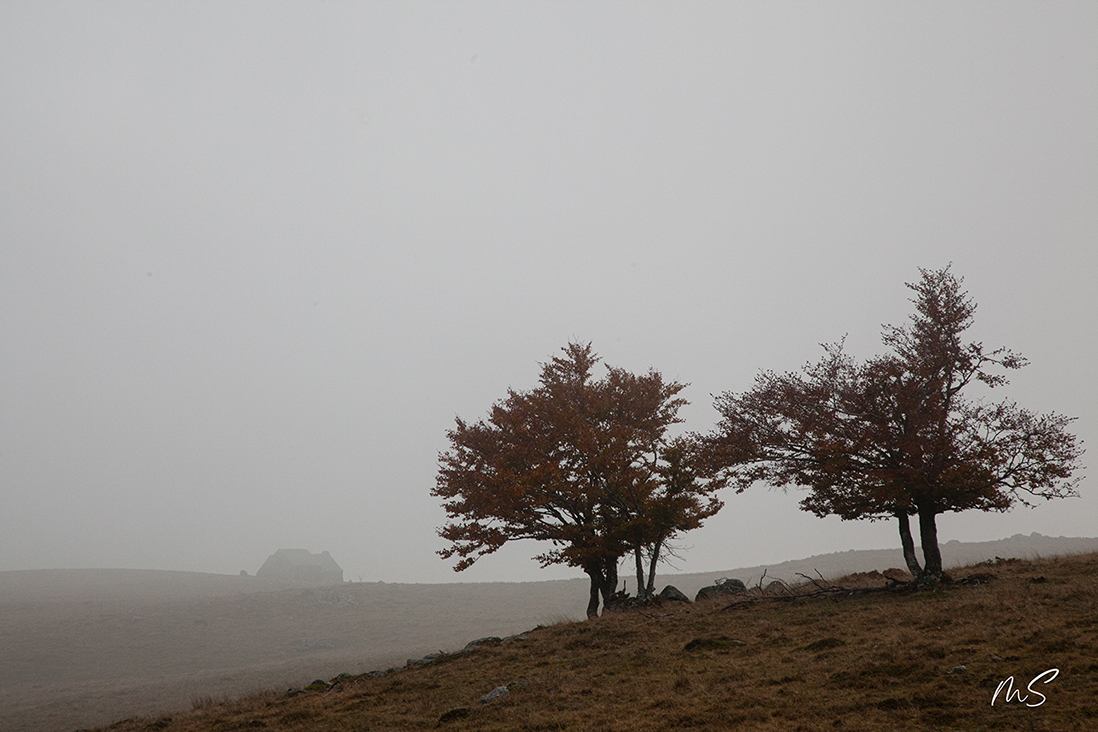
895	436
582	463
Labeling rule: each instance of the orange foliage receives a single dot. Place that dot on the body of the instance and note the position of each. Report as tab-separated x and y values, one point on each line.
578	462
894	436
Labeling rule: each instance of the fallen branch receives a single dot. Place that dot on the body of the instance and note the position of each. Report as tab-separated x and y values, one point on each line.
821	588
824	586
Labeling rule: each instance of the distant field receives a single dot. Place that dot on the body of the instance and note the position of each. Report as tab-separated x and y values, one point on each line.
73	659
80	648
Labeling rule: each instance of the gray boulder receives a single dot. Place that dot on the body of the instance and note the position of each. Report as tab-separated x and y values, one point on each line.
708	593
489	641
722	588
674	594
500	691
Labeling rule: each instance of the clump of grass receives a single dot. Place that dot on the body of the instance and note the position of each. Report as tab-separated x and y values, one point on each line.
206	701
557	619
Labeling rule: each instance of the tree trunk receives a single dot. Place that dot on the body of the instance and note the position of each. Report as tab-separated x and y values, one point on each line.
609	580
595	573
909	546
650	588
928	535
640	569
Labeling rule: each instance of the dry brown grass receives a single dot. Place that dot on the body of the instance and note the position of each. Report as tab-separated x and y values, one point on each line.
849	661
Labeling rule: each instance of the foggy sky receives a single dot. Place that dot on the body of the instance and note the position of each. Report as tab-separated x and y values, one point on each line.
256	257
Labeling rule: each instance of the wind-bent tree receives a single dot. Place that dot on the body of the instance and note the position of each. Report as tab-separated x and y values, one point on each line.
572	462
894	437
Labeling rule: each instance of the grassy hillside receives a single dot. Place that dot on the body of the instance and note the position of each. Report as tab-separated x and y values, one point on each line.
80	648
834	660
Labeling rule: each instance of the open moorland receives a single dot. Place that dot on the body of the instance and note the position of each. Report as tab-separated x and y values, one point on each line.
80	648
857	654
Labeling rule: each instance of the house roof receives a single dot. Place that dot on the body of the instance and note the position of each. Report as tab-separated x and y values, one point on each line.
303	558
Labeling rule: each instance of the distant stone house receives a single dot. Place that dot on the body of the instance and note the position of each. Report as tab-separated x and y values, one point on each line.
300	567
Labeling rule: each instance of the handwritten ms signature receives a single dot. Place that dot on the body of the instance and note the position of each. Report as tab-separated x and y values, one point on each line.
1013	694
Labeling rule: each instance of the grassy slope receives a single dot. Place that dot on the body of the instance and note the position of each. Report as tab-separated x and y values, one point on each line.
864	661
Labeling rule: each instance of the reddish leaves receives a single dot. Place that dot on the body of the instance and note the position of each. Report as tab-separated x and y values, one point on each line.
894	436
578	462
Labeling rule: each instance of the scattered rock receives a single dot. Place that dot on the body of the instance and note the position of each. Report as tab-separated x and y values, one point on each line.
621	602
674	594
999	561
488	641
980	578
318	685
873	576
425	660
706	593
721	588
500	691
957	670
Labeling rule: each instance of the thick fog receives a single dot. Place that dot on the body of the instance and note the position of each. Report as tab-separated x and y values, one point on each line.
255	257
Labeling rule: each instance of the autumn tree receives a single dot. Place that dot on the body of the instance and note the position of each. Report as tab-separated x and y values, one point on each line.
574	462
896	436
676	496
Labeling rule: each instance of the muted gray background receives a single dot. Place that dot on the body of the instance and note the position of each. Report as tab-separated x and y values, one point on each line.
255	257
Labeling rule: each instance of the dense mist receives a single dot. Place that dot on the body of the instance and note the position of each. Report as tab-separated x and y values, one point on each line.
256	257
